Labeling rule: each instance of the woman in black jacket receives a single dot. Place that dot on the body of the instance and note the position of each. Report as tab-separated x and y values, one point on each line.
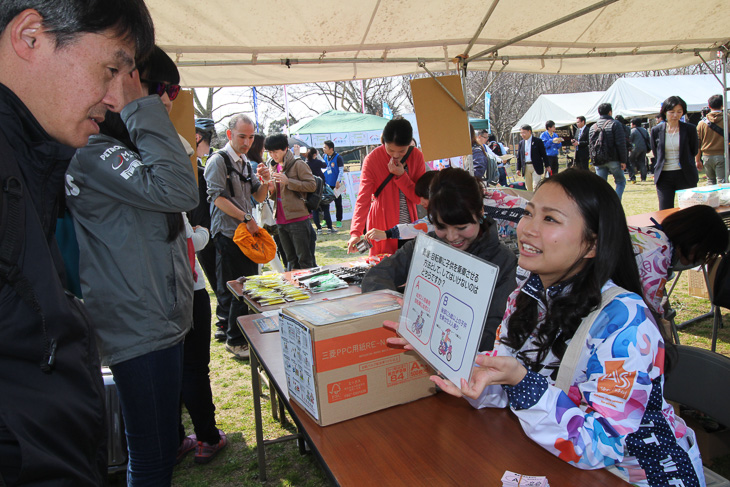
456	209
675	145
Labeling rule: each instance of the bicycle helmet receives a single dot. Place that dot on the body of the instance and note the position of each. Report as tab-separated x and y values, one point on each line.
204	124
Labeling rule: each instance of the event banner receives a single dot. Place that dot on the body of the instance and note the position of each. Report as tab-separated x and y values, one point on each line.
349	196
447	299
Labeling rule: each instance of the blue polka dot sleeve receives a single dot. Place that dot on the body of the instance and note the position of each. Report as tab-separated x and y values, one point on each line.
528	392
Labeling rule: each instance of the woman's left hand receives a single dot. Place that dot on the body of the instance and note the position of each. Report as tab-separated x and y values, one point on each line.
489	371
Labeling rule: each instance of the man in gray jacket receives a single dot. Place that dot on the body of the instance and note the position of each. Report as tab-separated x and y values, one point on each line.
229	192
639	147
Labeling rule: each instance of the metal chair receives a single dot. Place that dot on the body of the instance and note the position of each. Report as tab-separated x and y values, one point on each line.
701	381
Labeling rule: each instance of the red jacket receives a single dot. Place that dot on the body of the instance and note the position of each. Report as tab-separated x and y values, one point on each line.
383	213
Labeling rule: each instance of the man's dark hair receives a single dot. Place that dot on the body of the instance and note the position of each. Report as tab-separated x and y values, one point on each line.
715	102
329	144
423	184
604	108
636	122
549	124
526	127
621	119
670	103
158	66
483	132
581	118
277	142
67	19
398	131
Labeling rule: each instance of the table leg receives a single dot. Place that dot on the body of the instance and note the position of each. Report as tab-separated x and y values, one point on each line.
274	400
256	385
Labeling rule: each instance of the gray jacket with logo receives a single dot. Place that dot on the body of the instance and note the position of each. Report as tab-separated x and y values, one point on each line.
138	287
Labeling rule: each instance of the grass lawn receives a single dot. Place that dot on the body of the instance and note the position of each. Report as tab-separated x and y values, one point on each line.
231	382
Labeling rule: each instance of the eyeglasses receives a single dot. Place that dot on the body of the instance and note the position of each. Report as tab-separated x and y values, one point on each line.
159	88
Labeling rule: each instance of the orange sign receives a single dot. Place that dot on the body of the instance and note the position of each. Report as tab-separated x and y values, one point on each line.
355	348
617	381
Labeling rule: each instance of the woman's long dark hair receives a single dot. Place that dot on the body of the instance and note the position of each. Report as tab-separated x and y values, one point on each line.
256	151
605	227
157	67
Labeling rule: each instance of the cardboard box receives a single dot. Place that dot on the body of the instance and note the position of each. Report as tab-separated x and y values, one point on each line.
337	363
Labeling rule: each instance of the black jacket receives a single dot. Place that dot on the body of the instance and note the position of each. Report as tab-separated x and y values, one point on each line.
537	154
392	273
56	418
581	150
688	146
615	138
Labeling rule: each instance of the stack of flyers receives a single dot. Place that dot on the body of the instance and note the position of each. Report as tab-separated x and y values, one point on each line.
511	479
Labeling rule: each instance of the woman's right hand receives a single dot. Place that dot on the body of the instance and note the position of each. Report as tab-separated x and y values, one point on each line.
351	244
376	235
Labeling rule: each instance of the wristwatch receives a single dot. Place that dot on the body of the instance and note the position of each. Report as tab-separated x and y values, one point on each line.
247	218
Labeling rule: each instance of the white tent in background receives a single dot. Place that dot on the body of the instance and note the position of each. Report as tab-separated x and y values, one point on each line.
642	96
561	109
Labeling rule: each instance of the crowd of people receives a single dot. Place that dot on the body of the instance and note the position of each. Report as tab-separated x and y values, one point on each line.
85	98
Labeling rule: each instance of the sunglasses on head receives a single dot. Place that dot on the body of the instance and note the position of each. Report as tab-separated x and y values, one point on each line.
159	88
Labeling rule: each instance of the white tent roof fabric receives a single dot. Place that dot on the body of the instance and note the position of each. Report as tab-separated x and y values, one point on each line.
231	43
561	109
639	97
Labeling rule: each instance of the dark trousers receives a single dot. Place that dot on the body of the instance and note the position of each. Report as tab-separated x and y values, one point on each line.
325	209
581	160
231	264
637	164
669	182
149	393
196	393
206	257
554	165
338	206
296	239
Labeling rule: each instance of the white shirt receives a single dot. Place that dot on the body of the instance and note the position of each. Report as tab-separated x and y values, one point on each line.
528	150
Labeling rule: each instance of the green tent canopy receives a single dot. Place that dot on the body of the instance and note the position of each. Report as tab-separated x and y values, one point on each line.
343	128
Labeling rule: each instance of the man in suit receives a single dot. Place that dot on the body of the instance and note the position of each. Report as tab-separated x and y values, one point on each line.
531	157
581	143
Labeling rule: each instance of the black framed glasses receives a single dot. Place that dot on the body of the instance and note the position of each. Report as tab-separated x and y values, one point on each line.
160	88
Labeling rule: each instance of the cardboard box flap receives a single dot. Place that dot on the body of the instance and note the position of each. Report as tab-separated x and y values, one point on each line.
346	308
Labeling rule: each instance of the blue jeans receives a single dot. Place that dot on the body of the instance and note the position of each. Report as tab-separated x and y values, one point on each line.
149	393
613	167
502	175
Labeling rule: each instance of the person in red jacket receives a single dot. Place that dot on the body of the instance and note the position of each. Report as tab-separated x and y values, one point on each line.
397	200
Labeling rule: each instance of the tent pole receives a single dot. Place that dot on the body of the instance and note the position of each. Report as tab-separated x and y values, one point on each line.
543	28
496	75
724	110
481	27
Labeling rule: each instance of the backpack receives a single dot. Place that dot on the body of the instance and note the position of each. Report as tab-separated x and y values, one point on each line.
598	146
314	199
328	195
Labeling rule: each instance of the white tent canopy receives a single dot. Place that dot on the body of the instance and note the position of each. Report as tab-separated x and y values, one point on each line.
561	109
233	43
642	96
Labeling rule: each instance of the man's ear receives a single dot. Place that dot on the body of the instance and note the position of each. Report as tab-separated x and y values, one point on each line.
25	33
